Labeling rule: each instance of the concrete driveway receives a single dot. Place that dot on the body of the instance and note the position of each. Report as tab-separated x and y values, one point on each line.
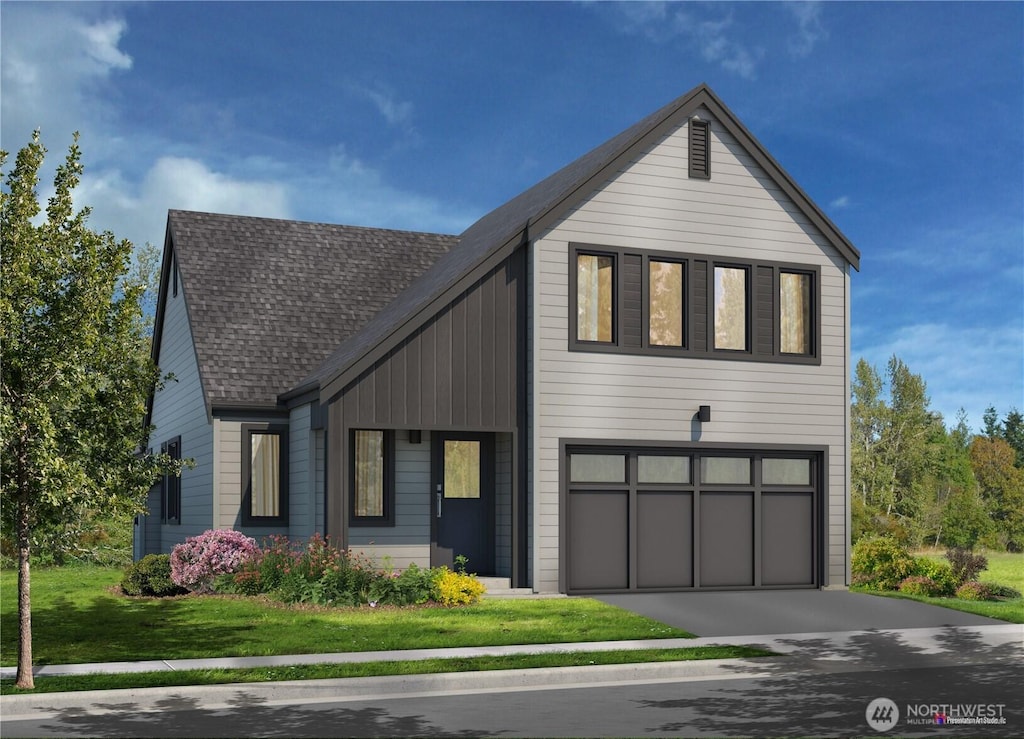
739	613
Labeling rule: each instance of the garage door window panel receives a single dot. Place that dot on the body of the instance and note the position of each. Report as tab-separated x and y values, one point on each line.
725	471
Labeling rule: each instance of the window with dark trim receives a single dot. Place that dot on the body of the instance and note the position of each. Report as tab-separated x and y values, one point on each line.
666	302
731	311
170	499
796	313
264	474
700	149
372	497
595	297
653	302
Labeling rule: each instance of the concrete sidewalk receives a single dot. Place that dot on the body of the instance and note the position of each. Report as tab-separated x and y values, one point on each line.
817	645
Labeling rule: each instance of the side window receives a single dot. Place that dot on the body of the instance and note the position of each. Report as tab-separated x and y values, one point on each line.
171	498
265	471
372	484
731	314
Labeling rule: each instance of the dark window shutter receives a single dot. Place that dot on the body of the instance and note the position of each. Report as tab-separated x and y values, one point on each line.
632	300
699	304
764	312
700	155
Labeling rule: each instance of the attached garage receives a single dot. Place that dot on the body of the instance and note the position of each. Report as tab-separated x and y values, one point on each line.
679	518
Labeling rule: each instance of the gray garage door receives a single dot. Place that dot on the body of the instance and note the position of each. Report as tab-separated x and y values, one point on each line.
672	519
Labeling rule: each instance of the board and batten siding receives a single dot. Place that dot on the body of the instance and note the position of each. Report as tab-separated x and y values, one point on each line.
179	409
651	204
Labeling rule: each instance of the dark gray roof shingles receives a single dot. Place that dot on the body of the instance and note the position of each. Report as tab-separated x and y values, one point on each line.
269	300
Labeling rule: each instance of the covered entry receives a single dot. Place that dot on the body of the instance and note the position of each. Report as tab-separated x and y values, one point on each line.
665	518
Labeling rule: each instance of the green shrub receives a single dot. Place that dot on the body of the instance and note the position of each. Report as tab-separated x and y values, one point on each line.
974	590
151	575
966	564
413	586
919	585
939	573
881	563
1003	591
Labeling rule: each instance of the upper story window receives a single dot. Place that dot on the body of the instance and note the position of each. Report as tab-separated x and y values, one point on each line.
645	302
595	297
265	475
665	304
795	316
731	318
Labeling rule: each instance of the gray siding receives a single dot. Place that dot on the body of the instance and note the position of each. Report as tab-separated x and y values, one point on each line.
738	213
408	541
229	473
179	409
301	474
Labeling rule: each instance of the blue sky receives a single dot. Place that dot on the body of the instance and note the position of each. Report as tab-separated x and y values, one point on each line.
904	122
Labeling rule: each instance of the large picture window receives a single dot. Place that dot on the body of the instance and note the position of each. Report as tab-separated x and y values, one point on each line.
372	478
595	294
265	484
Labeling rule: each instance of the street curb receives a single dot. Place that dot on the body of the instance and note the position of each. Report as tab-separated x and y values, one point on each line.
213	697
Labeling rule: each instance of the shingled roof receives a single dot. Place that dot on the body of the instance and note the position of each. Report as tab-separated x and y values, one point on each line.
514	223
269	300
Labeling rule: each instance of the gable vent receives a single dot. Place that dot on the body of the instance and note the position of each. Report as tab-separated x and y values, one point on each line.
700	156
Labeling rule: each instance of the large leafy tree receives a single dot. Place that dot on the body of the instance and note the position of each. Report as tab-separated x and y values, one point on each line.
75	372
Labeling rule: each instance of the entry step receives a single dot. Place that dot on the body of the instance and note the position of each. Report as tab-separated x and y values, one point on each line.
501	587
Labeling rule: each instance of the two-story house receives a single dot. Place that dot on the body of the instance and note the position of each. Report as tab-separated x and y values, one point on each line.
632	376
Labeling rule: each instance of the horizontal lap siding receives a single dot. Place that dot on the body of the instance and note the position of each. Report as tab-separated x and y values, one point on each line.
408	541
738	214
179	409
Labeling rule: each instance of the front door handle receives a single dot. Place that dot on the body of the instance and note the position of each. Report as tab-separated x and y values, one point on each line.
439	505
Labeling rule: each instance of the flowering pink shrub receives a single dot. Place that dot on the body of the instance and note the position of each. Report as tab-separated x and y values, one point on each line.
196	562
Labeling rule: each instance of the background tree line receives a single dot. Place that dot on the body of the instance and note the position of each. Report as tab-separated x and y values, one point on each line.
923	483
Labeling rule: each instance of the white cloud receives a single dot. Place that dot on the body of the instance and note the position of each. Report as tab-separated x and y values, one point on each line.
138	211
717	38
843	201
968	367
810	30
57	60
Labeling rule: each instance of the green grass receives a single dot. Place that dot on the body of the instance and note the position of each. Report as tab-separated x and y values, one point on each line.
371	669
78	618
1003	568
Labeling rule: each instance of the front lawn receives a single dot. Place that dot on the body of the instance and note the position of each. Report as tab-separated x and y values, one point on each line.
77	617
